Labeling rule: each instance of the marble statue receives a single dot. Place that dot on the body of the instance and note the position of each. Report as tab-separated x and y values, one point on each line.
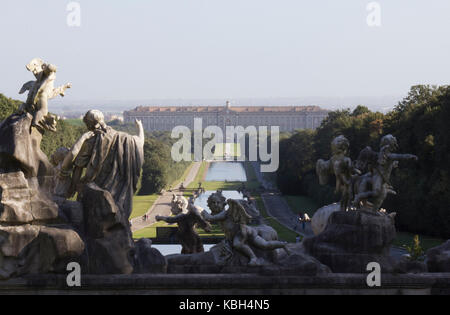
339	165
111	159
375	184
40	92
188	217
41	230
35	238
238	234
179	204
21	133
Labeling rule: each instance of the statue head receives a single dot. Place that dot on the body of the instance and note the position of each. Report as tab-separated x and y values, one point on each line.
36	66
388	142
179	205
340	145
216	202
94	120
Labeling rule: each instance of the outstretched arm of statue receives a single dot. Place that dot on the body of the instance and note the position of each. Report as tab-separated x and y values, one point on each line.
141	136
60	90
174	219
26	87
76	148
214	218
396	156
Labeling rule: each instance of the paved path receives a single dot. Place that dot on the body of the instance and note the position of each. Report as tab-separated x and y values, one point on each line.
265	183
162	205
278	208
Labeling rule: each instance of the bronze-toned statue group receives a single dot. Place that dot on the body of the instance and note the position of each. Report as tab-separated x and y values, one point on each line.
364	183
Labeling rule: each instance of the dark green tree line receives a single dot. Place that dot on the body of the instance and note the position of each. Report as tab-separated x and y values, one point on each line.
420	122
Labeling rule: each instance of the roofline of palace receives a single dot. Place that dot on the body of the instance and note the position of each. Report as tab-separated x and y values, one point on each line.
219	109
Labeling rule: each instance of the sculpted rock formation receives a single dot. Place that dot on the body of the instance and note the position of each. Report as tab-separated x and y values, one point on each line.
320	218
438	258
352	239
40	230
32	237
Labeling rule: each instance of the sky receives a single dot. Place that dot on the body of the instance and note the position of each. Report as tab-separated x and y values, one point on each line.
200	49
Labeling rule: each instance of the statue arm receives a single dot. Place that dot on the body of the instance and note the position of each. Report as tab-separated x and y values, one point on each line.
59	90
141	135
214	218
74	151
26	87
174	219
395	156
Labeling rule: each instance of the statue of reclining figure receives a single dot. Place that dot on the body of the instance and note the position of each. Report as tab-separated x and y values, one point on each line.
234	222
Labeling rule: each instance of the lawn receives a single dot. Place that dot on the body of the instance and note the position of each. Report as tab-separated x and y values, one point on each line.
283	232
141	204
148	232
201	174
183	177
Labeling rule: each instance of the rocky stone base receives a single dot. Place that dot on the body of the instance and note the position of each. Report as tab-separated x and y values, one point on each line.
31	249
32	238
353	239
438	258
219	260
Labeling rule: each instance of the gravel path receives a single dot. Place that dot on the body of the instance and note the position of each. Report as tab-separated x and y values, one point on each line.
162	205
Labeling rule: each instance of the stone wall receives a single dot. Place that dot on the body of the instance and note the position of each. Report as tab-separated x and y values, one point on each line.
230	284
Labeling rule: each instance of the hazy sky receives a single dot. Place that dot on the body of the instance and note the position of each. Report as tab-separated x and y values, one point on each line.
147	49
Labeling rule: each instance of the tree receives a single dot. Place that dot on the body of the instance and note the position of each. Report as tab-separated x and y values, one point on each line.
7	106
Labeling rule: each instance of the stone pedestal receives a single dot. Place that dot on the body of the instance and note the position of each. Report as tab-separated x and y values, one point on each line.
222	259
438	258
32	238
353	239
110	246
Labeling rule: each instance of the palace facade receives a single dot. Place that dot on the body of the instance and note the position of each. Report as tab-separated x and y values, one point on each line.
288	118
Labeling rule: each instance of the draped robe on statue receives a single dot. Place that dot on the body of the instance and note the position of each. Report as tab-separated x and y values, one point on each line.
113	161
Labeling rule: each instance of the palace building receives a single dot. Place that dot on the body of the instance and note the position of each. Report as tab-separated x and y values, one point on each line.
288	118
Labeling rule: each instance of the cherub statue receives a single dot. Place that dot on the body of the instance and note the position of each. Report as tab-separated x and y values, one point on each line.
238	234
376	183
190	240
179	204
39	92
341	166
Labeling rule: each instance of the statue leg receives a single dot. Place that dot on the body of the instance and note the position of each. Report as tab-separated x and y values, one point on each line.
267	245
380	198
240	245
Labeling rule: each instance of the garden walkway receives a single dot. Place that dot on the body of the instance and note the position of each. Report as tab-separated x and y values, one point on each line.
162	205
